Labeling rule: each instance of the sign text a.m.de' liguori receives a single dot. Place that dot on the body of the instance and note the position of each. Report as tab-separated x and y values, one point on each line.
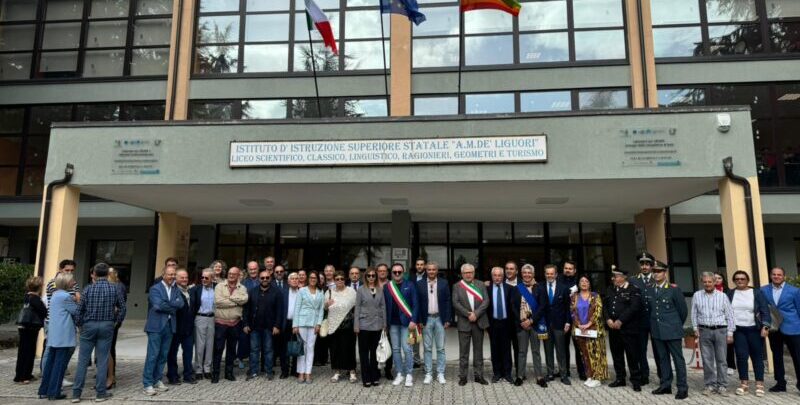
491	149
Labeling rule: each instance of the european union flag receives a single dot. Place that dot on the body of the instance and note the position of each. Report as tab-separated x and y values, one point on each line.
408	8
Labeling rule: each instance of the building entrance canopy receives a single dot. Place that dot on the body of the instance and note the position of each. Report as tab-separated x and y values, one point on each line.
587	166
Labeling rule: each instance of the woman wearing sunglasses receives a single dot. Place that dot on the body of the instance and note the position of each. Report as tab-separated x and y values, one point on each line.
369	321
306	321
341	304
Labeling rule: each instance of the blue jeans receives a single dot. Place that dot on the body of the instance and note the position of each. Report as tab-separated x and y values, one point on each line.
157	349
398	336
53	373
95	336
260	340
433	335
747	342
186	343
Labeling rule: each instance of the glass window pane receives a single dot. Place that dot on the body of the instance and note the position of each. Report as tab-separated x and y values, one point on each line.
674	11
103	63
480	21
755	96
598	258
436	254
153	32
109	8
731	10
497	232
145	112
603	100
17	10
267	27
324	59
301	27
64	9
43	116
217	59
266	58
463	232
529	232
597	13
489	50
365	108
97	112
380	232
365	24
543	15
322	233
307	108
674	42
435	105
293	233
433	232
766	153
597	233
8	181
15	66
323	4
106	34
681	97
218	29
439	21
734	39
211	111
546	101
150	61
544	47
380	254
263	109
366	55
10	150
684	278
55	62
785	37
599	45
61	36
788	104
789	141
271	5
565	232
355	232
232	255
489	103
211	6
153	7
231	235
261	234
33	180
354	256
11	120
16	37
36	150
783	8
435	52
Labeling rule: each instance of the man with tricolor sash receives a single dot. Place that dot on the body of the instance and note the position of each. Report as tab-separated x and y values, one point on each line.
402	316
470	305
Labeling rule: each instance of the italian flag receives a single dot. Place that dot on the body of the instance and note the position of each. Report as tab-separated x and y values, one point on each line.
471	290
315	15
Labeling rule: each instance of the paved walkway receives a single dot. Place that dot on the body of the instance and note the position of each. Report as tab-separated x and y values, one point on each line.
129	390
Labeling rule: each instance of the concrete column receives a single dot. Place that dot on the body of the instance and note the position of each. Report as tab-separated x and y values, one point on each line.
180	60
642	59
173	239
650	224
401	236
400	104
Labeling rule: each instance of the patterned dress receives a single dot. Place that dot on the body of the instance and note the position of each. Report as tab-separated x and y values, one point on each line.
593	351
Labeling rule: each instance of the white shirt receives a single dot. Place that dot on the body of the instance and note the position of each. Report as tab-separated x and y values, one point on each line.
433	297
513	282
471	300
168	288
290	307
743	307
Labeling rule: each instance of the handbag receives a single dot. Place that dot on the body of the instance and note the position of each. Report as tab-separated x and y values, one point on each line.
347	322
28	318
384	350
295	347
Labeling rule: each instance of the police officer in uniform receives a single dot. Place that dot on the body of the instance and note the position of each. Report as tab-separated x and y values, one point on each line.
622	309
668	312
644	281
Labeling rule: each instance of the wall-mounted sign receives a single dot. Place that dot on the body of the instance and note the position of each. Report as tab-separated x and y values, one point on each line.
489	149
134	156
399	254
650	147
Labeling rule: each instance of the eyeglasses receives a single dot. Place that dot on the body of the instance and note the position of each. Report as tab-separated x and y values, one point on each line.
265	278
509	268
370	276
338	279
279	271
397	272
740	279
205	278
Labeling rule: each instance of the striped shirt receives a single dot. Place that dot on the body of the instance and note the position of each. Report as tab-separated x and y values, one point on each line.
50	288
712	310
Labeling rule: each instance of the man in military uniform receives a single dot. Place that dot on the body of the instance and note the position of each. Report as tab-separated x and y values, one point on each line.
644	281
668	312
622	309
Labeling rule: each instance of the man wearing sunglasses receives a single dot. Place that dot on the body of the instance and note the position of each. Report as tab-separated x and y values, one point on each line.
263	318
402	313
433	295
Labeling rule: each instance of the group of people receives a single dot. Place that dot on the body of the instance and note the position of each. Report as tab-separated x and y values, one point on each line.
268	317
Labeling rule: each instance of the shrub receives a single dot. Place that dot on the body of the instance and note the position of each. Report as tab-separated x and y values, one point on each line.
12	286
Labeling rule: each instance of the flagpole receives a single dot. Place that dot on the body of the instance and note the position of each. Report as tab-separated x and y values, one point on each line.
314	69
383	48
460	52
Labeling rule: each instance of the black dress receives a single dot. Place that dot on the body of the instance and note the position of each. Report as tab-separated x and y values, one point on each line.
28	336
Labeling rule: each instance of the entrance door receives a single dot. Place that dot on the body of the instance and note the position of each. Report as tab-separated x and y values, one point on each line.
498	255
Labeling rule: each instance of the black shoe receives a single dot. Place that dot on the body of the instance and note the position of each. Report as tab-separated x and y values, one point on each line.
174	382
565	381
495	379
198	376
645	381
57	397
190	381
637	387
417	365
617	383
389	375
542	383
661	391
481	381
229	376
366	385
778	388
207	376
582	377
214	378
518	382
682	395
376	383
509	379
283	376
550	378
462	381
270	377
249	377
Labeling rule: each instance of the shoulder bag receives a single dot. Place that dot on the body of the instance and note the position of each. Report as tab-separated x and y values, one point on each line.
28	318
295	347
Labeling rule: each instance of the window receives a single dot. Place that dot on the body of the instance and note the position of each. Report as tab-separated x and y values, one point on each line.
117	254
221	110
534	101
684	272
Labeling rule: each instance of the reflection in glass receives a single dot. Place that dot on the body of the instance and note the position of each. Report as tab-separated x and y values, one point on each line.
674	11
380	232
435	105
18	10
43	116
435	52
546	101
565	232
354	256
271	5
785	37
218	30
435	253
489	50
267	27
365	24
212	111
734	39
324	60
433	232
602	100
15	66
211	6
496	232
153	32
301	27
104	34
529	232
11	147
680	41
598	258
33	181
294	233
307	108
64	9
11	120
266	58
97	112
8	181
544	47
597	232
109	8
783	8
599	45
367	55
103	63
543	15
16	37
439	21
54	62
368	108
217	59
489	103
463	232
731	10
145	112
681	97
36	150
263	109
355	232
153	7
597	13
149	61
487	21
61	36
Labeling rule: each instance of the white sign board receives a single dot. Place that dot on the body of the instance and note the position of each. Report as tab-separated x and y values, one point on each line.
488	149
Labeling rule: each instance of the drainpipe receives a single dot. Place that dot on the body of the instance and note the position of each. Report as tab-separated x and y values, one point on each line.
69	170
727	164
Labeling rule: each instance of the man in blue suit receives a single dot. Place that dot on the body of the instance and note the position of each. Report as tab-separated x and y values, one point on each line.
433	296
559	323
401	316
500	326
164	300
786	298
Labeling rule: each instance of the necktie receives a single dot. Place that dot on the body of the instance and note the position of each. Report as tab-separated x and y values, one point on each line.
550	292
499	305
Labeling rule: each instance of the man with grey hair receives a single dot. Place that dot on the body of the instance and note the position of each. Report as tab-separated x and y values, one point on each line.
202	301
470	305
712	320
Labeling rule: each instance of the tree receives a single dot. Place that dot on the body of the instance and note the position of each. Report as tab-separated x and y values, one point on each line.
219	58
324	61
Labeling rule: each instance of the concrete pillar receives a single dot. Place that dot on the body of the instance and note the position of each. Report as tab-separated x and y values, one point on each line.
400	104
173	239
401	237
649	224
642	59
180	60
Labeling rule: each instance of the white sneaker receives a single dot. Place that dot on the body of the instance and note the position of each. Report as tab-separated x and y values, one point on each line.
595	384
160	387
428	379
398	379
731	371
441	379
149	390
409	381
66	383
588	382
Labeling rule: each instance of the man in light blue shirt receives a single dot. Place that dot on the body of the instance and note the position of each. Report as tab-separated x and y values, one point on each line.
202	300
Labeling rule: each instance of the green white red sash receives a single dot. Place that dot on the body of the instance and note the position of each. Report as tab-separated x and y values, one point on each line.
399	299
471	290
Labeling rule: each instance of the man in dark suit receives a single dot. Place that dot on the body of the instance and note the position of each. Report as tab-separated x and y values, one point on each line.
184	334
645	281
500	326
622	307
667	313
470	305
354	278
164	300
569	276
433	297
559	323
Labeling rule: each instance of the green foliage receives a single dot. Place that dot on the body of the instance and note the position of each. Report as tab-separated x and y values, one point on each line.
12	285
795	281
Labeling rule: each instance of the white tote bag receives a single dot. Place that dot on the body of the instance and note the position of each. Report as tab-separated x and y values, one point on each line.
384	350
